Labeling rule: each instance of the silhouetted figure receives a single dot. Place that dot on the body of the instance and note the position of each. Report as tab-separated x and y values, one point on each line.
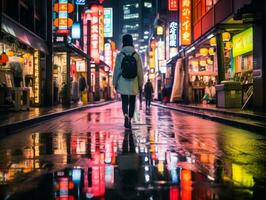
148	90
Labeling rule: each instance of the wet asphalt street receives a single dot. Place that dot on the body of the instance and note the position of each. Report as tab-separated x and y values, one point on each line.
167	155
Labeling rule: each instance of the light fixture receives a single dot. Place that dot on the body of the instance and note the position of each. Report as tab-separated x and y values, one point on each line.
228	45
213	41
211	51
203	63
204	51
210	36
190	50
226	36
209	61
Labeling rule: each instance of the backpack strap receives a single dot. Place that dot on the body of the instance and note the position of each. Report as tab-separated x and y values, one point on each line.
124	54
133	53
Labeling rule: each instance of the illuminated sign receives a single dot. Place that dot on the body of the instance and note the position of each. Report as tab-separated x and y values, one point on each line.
243	42
172	5
173	34
95	33
101	30
108	22
62	22
86	16
108	55
80	2
160	50
185	22
75	33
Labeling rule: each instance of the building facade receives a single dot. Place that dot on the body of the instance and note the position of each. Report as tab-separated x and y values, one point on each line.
221	49
25	47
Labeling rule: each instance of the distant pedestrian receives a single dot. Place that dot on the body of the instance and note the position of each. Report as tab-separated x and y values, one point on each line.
128	77
148	90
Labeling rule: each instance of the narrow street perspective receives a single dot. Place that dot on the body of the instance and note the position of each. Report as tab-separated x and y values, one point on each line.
132	100
166	155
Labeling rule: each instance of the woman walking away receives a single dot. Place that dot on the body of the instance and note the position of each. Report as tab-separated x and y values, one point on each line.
128	77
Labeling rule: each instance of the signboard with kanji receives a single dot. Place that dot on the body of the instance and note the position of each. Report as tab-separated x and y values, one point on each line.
185	22
95	33
172	5
173	34
108	22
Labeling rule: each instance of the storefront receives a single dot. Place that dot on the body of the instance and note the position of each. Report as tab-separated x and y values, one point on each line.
202	72
70	69
20	67
242	59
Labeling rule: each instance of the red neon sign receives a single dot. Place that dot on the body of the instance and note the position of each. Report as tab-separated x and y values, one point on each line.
95	39
172	5
185	22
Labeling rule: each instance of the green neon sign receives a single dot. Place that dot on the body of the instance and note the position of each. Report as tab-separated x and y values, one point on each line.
243	42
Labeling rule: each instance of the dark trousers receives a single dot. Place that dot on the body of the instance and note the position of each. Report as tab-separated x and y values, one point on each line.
148	101
128	104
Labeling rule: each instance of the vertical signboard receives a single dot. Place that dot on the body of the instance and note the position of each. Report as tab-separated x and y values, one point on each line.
185	22
95	33
108	22
108	55
173	34
172	5
101	30
62	22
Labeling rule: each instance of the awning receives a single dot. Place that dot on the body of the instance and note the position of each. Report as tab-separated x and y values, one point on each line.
22	34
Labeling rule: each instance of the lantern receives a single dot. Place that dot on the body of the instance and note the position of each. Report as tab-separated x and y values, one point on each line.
226	36
211	51
4	58
204	51
194	62
203	63
159	30
10	53
213	41
228	45
209	61
153	44
21	60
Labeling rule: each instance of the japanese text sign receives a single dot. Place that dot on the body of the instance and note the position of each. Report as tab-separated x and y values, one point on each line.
172	5
185	22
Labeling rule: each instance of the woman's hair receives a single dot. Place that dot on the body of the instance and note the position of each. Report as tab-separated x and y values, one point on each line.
127	40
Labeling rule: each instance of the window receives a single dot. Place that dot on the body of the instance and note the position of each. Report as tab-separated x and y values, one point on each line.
147	5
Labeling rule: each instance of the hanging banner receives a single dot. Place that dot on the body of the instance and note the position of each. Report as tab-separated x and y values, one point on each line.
172	5
185	22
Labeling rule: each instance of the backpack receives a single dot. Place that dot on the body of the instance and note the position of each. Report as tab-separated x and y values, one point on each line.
129	66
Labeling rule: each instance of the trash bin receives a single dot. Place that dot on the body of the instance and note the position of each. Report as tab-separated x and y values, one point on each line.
229	94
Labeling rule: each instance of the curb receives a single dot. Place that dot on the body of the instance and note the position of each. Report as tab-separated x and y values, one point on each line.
5	130
235	123
239	114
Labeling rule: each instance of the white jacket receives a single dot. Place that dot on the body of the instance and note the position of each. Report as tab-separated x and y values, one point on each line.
127	86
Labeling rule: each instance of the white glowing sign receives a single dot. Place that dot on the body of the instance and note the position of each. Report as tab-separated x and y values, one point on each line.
173	34
108	22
